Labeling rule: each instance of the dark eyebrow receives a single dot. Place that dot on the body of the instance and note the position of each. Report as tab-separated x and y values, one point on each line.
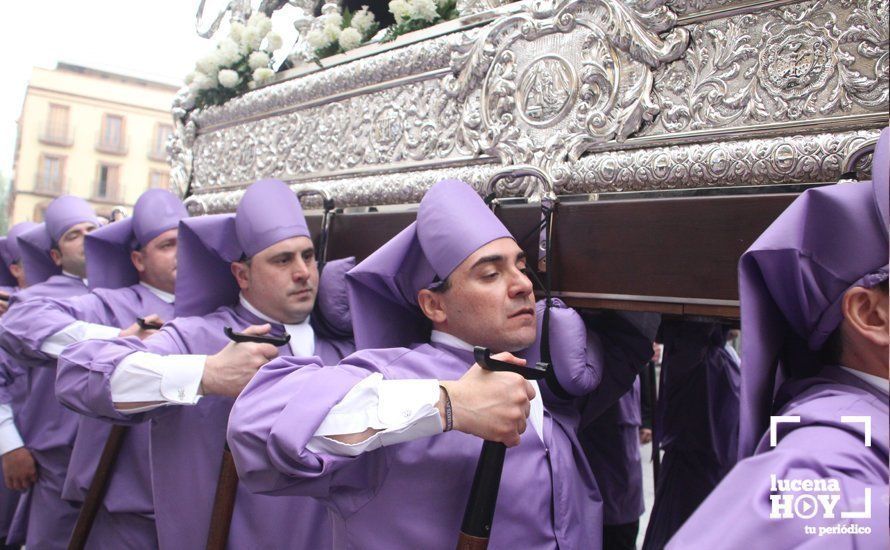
494	258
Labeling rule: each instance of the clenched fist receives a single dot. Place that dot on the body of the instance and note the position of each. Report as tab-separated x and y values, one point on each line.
227	372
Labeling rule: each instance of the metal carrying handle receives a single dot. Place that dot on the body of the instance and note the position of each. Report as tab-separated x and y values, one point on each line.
327	201
848	166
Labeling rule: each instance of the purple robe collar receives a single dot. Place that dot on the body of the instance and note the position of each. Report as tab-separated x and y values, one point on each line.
65	212
35	245
269	212
452	223
108	248
793	278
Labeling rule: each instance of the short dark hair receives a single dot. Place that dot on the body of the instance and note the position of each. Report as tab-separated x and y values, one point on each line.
833	348
441	287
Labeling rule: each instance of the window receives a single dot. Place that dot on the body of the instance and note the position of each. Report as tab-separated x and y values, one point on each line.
111	138
158	179
159	143
50	174
107	182
56	131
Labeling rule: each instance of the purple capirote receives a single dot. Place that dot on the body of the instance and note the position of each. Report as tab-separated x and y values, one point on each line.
452	223
792	281
108	248
269	212
35	245
65	212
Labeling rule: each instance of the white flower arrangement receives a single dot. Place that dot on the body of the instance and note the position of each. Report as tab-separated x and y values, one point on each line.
336	32
412	15
240	62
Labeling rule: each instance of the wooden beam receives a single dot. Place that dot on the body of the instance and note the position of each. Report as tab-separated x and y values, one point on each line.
671	255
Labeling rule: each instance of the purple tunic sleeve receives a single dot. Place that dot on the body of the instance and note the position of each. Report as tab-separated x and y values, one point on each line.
83	382
27	325
278	413
737	513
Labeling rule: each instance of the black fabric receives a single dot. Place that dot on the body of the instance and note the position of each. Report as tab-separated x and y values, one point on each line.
621	537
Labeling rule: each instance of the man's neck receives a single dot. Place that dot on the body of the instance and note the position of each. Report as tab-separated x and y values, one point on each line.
245	302
446	339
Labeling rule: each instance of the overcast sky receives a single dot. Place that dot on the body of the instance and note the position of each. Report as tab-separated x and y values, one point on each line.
150	38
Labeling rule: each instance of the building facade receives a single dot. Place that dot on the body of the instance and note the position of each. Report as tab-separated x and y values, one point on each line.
91	133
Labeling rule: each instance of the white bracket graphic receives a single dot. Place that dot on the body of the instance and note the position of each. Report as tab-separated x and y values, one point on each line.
775	421
866	420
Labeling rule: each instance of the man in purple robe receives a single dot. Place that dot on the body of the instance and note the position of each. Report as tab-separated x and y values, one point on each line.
255	272
366	436
813	435
18	460
697	418
611	443
131	269
53	256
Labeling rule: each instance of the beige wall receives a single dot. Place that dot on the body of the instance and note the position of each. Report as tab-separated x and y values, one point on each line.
89	97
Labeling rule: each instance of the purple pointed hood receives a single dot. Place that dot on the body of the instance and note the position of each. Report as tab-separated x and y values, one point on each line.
12	253
108	248
452	223
269	212
35	245
793	278
65	212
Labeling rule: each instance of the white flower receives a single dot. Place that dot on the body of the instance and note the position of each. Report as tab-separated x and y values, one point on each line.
228	78
258	59
262	74
189	78
334	19
317	39
260	22
350	39
424	10
229	52
400	10
236	31
250	40
362	20
202	82
332	32
209	64
274	41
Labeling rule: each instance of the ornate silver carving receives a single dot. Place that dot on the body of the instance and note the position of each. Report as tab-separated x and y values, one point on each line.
527	84
793	159
471	7
789	64
597	92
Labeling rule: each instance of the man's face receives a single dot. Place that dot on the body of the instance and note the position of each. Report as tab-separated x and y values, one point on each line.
281	280
156	261
490	302
69	255
18	271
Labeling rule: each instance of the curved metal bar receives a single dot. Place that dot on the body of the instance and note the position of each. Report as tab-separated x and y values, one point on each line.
519	171
849	164
328	205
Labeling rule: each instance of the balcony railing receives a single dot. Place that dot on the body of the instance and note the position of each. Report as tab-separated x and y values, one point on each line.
55	137
49	185
112	148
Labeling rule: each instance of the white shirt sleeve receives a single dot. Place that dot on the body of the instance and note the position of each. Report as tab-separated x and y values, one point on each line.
157	379
403	409
10	439
78	331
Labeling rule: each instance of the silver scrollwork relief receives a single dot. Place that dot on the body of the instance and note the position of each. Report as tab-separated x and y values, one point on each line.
549	82
792	159
800	62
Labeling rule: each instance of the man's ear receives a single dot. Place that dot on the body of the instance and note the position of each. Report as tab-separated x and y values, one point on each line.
241	272
866	313
17	270
432	305
138	259
56	255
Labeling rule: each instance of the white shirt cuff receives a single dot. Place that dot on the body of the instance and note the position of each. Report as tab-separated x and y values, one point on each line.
10	439
78	331
157	380
403	410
